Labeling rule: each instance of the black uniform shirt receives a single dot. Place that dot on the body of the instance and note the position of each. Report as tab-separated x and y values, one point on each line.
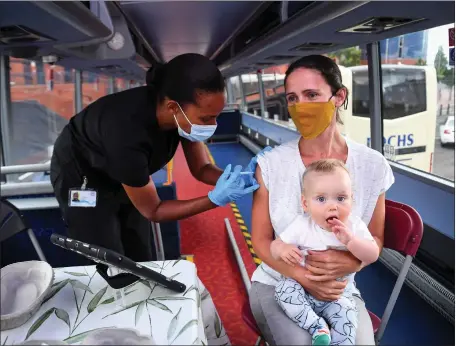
118	139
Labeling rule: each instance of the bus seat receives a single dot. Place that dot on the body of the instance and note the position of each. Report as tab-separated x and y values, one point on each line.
376	321
12	222
403	233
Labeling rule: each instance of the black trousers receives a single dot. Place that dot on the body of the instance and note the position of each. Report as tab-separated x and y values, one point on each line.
114	223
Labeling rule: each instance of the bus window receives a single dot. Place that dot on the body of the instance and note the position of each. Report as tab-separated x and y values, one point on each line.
42	102
94	86
360	94
418	98
404	92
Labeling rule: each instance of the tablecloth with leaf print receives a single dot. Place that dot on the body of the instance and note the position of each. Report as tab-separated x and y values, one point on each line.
80	301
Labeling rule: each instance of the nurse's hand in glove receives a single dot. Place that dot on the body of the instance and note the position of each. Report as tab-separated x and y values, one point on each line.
230	187
249	179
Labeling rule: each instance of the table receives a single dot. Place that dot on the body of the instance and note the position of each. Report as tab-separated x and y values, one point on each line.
81	301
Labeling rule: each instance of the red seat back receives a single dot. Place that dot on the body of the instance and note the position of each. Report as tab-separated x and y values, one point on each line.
403	228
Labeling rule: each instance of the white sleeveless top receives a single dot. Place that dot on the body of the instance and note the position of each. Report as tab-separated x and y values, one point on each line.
282	169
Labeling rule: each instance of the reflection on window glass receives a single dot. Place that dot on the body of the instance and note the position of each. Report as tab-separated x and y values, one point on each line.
272	78
404	91
237	95
120	84
94	86
42	99
360	94
418	101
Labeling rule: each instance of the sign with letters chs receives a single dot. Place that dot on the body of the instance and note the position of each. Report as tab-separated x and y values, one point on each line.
451	37
397	141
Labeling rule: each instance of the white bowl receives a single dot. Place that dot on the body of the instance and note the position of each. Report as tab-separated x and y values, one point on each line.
117	336
24	285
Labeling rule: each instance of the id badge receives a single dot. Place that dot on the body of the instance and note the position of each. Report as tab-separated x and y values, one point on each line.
82	197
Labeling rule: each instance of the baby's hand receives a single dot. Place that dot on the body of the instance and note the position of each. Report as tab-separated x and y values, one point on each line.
290	254
341	231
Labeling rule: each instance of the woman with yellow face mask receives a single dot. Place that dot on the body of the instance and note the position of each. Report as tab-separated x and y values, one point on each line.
315	94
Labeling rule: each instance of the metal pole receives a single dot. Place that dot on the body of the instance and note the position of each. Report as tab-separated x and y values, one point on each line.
393	298
284	11
386	50
36	167
111	85
241	89
26	188
375	95
158	242
78	91
36	245
229	91
237	255
6	122
261	91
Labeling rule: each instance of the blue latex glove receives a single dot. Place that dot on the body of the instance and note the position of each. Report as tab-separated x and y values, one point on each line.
230	187
249	179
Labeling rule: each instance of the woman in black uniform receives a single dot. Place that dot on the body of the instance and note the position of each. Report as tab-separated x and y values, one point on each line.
109	150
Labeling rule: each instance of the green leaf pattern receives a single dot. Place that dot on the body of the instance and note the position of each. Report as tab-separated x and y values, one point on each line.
173	324
63	315
139	311
39	322
90	297
79	337
80	285
96	299
76	274
158	305
185	327
123	309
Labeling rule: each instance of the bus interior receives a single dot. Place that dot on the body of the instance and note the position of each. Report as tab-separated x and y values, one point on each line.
57	57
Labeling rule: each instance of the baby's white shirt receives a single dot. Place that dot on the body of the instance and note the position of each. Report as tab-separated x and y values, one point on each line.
307	235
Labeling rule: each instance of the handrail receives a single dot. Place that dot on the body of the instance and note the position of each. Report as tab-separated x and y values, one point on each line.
46	167
38	167
238	256
32	188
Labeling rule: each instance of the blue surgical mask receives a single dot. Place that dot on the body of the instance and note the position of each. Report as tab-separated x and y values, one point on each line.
198	133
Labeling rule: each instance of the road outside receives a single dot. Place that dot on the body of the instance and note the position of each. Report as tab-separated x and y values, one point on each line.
443	157
443	161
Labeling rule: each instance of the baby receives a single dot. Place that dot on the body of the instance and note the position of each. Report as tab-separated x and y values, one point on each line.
328	223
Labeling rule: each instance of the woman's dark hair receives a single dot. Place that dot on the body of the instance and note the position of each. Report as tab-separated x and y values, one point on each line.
328	69
182	77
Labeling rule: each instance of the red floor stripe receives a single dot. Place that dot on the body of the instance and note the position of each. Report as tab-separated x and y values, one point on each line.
205	236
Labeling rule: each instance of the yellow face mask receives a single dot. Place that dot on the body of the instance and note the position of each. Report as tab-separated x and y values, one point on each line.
312	118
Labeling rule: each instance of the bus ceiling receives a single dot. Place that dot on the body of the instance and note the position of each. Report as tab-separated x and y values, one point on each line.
328	26
30	28
123	38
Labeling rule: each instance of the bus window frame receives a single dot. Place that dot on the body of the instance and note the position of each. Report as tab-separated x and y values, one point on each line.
425	177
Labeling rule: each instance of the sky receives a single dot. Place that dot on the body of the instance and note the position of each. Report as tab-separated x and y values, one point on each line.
437	37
